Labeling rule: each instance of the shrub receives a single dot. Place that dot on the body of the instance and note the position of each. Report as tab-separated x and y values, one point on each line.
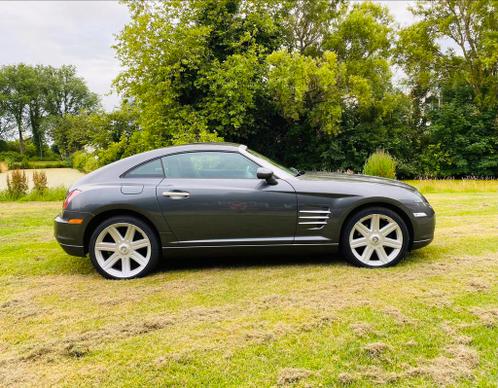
10	157
84	162
39	181
91	164
78	160
380	163
23	164
17	184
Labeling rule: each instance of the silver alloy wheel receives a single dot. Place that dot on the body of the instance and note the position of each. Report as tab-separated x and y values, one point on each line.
122	250
376	240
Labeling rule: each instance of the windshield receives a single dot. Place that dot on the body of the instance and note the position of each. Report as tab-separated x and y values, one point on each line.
291	171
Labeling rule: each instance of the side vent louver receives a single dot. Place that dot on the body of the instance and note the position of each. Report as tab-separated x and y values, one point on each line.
314	219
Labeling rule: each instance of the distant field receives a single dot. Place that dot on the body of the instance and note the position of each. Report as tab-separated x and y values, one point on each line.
432	320
455	185
56	177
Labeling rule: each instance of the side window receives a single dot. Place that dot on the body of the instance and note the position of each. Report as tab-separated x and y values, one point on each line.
152	169
209	165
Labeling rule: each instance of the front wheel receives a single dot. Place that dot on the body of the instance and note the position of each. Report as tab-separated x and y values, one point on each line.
124	247
375	237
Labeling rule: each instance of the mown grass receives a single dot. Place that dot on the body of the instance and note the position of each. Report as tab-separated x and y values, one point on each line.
432	320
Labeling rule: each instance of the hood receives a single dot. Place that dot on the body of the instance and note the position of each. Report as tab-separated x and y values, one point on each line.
338	177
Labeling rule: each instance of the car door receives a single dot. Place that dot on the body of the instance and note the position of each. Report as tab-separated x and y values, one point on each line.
214	198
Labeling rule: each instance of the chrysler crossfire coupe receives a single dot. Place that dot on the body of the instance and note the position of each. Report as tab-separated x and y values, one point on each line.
224	197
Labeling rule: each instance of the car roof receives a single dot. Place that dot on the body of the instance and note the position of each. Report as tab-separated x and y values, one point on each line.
189	147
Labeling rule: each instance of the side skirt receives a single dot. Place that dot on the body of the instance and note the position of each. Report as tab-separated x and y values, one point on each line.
299	249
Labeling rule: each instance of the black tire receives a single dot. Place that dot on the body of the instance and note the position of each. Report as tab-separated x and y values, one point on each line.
346	249
155	249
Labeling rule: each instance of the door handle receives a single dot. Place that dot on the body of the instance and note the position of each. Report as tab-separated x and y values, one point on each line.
176	194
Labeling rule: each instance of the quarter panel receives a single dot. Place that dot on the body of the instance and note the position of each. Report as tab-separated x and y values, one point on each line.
137	195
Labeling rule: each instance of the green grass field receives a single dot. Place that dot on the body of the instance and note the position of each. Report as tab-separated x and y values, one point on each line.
433	319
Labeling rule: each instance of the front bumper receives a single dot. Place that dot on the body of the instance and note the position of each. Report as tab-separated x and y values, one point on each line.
423	229
71	236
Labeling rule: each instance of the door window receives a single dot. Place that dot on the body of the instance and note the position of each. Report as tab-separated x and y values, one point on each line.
209	165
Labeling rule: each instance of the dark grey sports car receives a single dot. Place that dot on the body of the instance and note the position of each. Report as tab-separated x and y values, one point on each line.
210	197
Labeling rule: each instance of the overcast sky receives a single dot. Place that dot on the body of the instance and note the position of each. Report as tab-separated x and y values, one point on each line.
81	33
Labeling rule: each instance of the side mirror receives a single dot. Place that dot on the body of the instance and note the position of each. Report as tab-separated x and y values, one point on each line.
266	174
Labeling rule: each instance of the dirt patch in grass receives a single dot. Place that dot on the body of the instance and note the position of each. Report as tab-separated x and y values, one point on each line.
361	329
289	376
398	316
448	369
477	285
488	316
376	349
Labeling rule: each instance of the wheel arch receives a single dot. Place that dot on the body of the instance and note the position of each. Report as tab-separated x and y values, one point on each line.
391	206
105	214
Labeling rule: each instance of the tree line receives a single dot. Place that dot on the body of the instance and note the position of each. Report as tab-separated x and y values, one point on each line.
33	96
316	84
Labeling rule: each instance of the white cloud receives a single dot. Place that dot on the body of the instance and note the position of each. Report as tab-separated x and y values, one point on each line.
78	33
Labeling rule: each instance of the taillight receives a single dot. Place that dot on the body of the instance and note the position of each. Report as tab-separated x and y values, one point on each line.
70	196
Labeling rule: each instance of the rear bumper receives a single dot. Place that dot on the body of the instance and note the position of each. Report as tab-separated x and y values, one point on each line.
71	236
421	243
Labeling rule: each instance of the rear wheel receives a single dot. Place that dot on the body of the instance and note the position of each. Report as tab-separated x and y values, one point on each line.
124	247
375	237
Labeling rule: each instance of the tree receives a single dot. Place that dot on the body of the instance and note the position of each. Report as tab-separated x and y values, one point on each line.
31	94
310	82
269	74
309	23
14	97
454	86
68	93
69	133
194	68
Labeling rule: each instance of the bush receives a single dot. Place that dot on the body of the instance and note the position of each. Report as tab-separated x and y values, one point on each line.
380	163
10	157
17	184
84	162
22	165
78	160
39	181
91	164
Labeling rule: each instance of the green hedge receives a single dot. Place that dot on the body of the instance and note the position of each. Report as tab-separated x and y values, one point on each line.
15	160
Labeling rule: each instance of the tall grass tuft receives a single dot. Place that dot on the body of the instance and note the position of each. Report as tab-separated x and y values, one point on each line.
17	184
380	163
39	181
